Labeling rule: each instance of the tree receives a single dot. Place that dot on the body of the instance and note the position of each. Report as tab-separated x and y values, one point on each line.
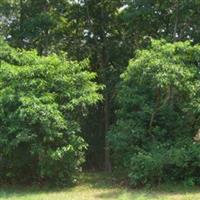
100	41
167	19
106	32
34	24
42	100
158	115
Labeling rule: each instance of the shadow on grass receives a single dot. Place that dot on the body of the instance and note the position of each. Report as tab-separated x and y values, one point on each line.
109	195
101	182
104	180
98	180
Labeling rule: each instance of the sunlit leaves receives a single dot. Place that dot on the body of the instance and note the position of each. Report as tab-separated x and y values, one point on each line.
41	101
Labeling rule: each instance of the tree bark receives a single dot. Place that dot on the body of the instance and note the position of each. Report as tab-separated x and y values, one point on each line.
20	40
156	109
106	126
175	36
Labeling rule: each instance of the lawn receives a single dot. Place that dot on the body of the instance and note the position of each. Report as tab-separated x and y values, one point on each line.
99	187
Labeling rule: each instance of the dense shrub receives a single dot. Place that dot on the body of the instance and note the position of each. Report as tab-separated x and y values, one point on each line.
41	102
158	116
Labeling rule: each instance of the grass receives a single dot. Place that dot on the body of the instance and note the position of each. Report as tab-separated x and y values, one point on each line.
98	186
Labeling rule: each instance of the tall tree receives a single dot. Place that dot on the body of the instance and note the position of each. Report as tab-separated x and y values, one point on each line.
107	32
162	19
34	24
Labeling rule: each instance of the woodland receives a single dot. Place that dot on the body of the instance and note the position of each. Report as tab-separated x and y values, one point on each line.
100	85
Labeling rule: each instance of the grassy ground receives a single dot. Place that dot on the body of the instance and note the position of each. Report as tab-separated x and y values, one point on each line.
99	187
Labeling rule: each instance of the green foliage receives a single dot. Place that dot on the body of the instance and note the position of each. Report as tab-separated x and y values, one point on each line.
169	19
41	101
158	115
109	33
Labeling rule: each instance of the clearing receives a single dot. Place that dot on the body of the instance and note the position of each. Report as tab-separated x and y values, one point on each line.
98	186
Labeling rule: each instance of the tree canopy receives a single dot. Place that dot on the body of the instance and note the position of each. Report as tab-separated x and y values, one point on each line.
65	56
41	102
158	115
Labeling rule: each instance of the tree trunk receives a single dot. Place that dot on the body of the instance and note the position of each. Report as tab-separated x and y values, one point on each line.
175	32
157	107
106	126
20	39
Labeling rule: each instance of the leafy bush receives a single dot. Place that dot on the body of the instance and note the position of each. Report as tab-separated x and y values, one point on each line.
41	102
158	115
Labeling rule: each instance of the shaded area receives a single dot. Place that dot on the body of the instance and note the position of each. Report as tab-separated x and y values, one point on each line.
99	186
